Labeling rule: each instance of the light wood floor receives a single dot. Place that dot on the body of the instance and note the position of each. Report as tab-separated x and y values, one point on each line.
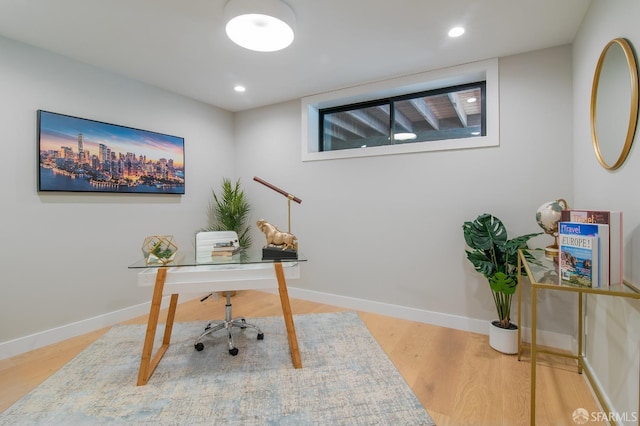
458	378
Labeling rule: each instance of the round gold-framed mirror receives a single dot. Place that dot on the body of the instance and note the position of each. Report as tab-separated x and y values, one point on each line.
614	103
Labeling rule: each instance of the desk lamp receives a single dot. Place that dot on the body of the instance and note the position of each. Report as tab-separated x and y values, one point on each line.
280	245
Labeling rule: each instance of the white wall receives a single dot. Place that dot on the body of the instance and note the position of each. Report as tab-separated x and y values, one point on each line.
385	233
613	341
64	257
381	233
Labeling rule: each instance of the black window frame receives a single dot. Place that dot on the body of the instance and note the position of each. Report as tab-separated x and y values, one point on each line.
391	100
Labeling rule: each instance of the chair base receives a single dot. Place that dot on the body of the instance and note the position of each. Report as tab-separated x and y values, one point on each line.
227	324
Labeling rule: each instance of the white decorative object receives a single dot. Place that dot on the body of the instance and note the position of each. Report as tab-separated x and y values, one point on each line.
503	340
548	216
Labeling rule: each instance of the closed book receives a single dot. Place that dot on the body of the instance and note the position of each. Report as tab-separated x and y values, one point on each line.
228	252
225	246
579	260
569	229
614	220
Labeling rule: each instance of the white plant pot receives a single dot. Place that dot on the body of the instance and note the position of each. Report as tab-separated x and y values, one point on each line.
502	339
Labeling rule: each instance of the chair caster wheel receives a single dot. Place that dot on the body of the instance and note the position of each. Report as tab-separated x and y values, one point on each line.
233	351
199	346
260	336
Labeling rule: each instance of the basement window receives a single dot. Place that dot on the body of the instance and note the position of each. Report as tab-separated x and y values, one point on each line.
454	108
442	114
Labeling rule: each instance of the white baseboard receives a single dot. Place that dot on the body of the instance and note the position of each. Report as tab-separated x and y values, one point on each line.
544	338
38	340
58	334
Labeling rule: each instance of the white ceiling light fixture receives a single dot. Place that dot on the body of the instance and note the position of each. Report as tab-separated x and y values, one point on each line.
404	136
456	32
260	25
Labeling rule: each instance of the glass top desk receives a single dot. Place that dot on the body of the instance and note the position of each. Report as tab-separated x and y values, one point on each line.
190	274
543	275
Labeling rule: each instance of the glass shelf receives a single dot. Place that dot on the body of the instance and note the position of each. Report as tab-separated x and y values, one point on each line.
188	258
543	273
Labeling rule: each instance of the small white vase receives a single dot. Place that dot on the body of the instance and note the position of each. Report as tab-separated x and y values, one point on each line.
503	340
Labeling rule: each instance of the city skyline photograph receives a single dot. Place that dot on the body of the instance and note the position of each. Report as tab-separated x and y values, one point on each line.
78	154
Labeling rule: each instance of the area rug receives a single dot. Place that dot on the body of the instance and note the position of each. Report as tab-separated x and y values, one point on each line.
346	379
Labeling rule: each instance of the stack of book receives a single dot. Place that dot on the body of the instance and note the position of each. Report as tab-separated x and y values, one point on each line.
225	248
590	245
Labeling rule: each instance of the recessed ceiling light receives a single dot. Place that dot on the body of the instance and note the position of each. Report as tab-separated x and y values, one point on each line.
471	100
456	32
239	88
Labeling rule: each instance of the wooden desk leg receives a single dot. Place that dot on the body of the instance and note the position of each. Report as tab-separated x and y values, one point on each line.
534	325
288	316
147	365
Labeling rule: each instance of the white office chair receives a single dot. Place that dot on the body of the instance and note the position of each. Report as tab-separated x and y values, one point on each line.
205	242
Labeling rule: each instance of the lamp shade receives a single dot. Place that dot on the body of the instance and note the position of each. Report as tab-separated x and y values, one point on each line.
260	25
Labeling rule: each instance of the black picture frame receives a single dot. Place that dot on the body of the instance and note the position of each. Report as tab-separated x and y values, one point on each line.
82	155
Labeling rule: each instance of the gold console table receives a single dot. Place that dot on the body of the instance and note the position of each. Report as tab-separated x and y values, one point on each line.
543	275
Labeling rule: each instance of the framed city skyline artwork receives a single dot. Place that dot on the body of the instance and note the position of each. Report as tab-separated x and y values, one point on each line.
81	155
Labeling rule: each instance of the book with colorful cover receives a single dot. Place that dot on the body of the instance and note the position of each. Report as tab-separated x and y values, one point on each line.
579	260
568	229
614	220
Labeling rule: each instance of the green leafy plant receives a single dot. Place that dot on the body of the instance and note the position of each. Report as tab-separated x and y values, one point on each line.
161	253
230	210
496	257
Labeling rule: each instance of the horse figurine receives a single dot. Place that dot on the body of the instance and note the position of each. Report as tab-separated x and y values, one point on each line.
275	237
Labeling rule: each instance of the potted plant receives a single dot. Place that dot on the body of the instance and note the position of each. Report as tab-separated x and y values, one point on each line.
495	256
229	211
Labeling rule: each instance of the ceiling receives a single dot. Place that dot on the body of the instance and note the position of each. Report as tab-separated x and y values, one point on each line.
181	46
